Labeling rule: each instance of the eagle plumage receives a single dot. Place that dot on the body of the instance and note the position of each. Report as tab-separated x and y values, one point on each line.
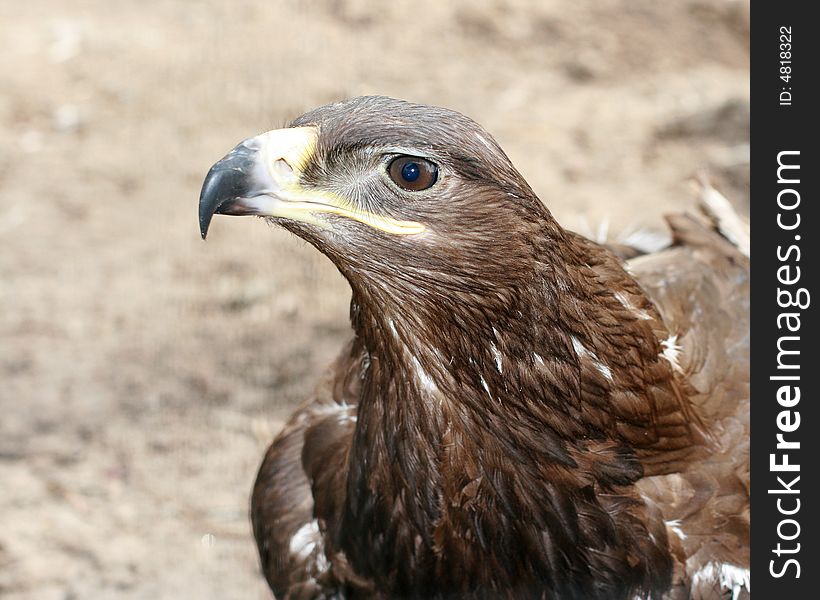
520	413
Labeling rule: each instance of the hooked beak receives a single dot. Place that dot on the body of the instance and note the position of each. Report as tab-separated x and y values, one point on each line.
261	176
251	176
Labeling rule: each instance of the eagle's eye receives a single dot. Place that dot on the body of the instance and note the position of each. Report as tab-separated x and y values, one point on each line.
412	173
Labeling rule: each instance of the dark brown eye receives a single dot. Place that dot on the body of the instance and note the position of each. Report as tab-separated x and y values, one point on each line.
412	173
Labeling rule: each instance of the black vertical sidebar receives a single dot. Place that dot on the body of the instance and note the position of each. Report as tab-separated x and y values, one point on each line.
785	58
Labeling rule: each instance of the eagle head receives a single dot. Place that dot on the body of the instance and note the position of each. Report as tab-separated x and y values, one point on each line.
401	197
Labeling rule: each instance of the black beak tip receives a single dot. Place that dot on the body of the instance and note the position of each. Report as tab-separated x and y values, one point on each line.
211	197
204	224
226	181
221	185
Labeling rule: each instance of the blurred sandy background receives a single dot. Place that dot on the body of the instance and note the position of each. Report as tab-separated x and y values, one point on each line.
142	371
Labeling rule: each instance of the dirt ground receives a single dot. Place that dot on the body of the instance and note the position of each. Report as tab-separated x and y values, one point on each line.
143	371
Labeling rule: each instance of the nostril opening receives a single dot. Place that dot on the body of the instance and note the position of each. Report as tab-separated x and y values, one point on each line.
282	171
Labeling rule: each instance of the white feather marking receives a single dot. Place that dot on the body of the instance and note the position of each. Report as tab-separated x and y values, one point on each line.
486	387
423	377
322	564
497	356
392	326
582	351
705	573
671	352
538	359
639	312
675	527
735	579
305	539
603	369
731	577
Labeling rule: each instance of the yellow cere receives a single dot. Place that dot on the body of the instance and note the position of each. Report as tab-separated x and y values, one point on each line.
295	146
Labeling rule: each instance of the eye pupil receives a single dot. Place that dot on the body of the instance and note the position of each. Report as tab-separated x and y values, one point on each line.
410	172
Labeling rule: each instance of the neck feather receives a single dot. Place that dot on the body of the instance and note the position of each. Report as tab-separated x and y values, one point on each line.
502	436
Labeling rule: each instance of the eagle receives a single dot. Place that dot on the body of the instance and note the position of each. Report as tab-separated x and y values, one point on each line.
521	412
